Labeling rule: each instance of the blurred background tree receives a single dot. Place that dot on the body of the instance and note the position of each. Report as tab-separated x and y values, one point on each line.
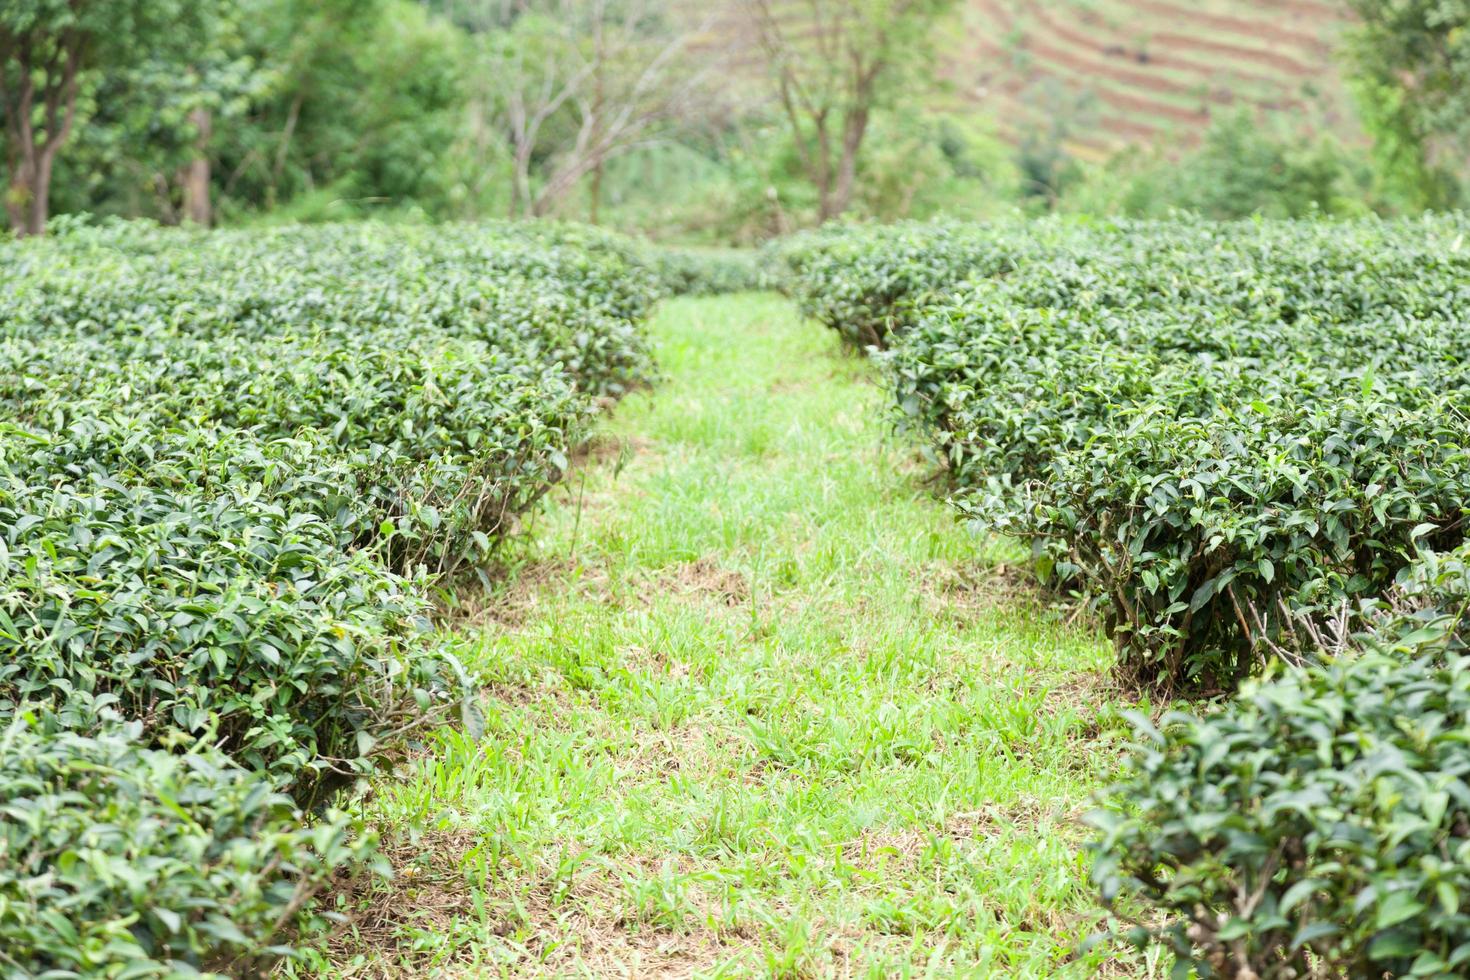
723	122
829	66
55	55
1410	63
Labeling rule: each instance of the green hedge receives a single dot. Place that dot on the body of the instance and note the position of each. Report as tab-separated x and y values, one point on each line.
446	439
229	614
1319	824
120	859
864	281
867	281
232	469
1207	429
706	272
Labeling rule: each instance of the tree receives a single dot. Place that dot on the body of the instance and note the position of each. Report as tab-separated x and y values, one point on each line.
1410	61
48	47
830	65
149	135
354	106
576	83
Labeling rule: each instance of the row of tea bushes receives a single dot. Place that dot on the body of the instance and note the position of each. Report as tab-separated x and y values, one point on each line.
868	282
1319	825
121	858
232	469
864	282
1247	444
707	272
1207	429
446	440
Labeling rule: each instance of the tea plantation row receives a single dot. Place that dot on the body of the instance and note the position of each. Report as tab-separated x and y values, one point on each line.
1242	443
233	467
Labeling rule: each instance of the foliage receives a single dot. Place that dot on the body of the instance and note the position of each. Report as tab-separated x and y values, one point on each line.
705	272
830	68
445	433
1243	167
123	859
1208	430
140	124
336	109
360	111
47	49
1320	823
860	280
1410	61
233	468
747	187
227	614
730	124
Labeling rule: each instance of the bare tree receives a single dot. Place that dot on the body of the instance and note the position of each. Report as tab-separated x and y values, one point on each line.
580	82
536	82
829	64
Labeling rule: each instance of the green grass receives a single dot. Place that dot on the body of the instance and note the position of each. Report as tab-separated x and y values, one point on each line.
756	705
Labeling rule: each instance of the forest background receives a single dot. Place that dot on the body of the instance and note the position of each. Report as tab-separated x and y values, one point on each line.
729	122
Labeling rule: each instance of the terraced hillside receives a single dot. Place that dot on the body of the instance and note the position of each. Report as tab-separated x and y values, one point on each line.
1105	73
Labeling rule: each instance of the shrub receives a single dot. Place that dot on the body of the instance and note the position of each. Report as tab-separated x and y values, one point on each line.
1243	166
226	613
1207	429
444	440
706	272
232	468
121	859
859	280
1319	825
451	373
558	294
1198	535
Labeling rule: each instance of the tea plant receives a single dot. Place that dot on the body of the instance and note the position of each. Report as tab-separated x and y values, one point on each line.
706	272
1320	824
124	859
1207	429
233	467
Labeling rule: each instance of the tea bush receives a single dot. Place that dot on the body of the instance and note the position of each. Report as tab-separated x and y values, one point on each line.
868	281
1207	429
117	858
1319	825
226	613
706	272
863	280
445	439
232	468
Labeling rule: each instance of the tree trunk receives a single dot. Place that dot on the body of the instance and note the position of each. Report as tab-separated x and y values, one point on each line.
521	203
599	95
823	174
594	206
32	158
41	200
852	143
196	171
18	196
28	198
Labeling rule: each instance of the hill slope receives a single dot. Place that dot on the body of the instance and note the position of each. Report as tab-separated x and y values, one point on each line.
1104	73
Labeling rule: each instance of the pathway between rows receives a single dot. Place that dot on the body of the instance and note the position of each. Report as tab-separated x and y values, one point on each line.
758	705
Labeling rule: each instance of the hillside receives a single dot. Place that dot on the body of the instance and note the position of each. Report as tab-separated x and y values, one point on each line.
1105	73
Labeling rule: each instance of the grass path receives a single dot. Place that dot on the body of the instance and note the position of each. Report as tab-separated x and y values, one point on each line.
757	705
